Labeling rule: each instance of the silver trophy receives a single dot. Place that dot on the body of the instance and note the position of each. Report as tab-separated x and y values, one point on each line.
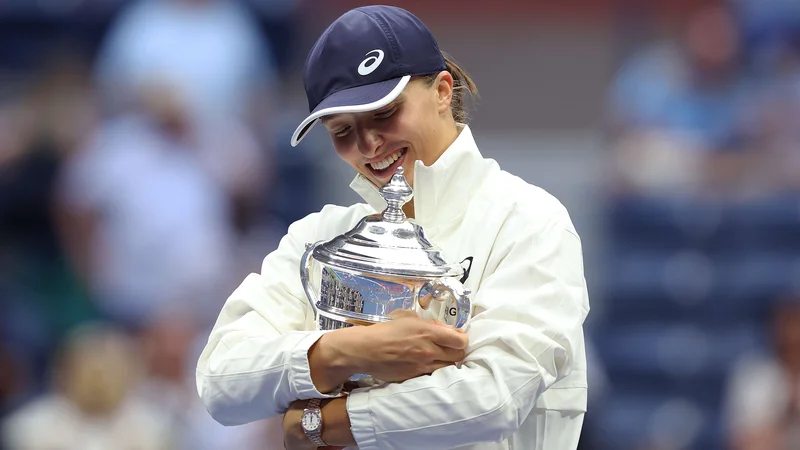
382	268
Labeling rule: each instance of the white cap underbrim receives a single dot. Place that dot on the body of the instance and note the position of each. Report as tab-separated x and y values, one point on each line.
354	100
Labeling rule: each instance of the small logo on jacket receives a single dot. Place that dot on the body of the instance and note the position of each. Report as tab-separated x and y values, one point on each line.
369	65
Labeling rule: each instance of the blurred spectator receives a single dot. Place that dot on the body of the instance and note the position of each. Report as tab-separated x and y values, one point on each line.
43	118
714	114
778	104
91	406
217	57
170	346
211	52
147	215
676	104
763	400
203	69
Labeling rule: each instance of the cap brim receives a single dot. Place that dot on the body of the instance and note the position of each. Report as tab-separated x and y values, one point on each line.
354	100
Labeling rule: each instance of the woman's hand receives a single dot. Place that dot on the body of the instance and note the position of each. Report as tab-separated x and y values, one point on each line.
398	350
409	347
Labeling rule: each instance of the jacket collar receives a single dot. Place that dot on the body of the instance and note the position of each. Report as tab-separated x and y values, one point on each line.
441	190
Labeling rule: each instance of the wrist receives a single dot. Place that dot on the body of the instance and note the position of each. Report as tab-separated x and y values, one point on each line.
343	348
312	422
336	430
330	359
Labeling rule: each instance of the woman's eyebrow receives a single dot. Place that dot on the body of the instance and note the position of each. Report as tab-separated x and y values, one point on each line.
328	119
332	118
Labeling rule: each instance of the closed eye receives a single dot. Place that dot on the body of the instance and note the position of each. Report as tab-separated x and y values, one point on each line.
385	114
342	132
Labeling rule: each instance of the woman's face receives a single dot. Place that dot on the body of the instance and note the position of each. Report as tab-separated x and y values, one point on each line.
418	125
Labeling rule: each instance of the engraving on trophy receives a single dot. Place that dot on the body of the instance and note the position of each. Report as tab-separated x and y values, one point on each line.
377	229
334	293
401	233
362	294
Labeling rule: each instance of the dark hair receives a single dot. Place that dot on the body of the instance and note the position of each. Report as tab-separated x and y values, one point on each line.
461	82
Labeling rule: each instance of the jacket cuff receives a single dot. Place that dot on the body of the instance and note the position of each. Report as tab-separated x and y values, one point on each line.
361	425
300	371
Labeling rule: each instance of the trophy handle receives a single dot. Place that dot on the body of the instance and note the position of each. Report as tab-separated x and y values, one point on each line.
305	277
463	304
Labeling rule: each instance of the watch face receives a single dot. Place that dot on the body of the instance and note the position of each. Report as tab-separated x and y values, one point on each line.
311	420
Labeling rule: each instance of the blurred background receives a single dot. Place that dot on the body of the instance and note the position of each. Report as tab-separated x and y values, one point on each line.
145	169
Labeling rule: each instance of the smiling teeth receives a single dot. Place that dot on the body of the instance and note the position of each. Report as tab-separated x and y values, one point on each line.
380	165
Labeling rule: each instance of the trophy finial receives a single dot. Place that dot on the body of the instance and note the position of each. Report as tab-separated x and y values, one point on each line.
397	193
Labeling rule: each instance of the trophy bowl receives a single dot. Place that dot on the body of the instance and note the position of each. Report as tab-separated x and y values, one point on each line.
384	268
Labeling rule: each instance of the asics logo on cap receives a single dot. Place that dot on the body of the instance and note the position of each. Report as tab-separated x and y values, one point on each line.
369	65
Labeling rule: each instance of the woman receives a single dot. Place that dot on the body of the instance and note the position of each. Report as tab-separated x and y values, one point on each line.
388	97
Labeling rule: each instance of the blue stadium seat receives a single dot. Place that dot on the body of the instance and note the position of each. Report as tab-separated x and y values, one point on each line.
750	281
686	290
647	284
771	224
682	349
637	420
665	224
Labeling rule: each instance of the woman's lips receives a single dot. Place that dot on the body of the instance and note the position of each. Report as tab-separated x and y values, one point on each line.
386	174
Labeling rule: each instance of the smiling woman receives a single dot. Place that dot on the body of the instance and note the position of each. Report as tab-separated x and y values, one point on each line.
409	129
428	104
513	377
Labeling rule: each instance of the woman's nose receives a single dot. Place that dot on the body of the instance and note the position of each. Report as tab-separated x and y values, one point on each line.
368	142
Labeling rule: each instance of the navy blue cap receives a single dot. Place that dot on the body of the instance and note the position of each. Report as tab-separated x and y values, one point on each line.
364	60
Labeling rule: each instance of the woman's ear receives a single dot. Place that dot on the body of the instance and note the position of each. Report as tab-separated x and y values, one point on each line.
444	90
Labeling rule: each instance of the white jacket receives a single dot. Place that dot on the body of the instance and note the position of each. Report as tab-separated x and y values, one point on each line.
523	383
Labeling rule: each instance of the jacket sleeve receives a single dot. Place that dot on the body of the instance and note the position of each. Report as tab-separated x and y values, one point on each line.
525	336
255	362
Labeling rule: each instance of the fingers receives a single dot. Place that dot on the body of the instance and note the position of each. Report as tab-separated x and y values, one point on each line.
451	355
445	336
439	333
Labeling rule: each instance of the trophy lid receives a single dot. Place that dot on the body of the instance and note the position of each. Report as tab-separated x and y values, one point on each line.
387	243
